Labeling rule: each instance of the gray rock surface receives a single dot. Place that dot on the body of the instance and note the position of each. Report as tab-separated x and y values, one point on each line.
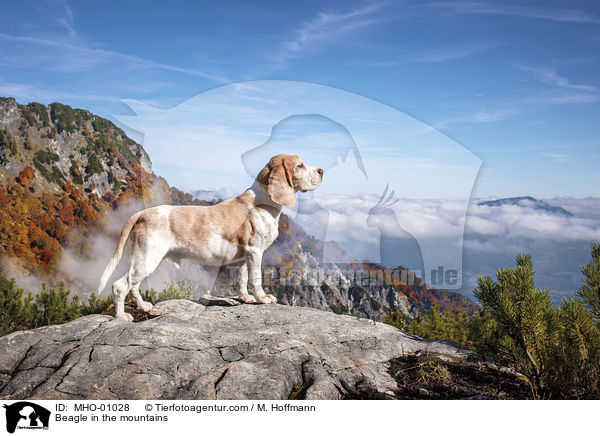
215	352
212	300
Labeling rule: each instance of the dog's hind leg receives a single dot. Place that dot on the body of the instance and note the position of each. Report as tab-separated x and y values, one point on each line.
120	289
146	256
141	268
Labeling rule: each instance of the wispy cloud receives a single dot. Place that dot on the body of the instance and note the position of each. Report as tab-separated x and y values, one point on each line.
561	96
454	53
561	91
447	55
67	56
66	21
375	63
556	157
481	116
328	28
545	13
26	93
550	77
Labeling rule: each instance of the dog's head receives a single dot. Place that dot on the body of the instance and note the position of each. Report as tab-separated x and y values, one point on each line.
285	174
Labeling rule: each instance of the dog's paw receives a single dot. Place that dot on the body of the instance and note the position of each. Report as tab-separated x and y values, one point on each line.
247	298
146	306
124	316
267	299
272	297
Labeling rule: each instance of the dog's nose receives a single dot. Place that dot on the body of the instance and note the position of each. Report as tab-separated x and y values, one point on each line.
320	171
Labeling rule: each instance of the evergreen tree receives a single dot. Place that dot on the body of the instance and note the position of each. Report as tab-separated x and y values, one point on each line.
525	317
590	291
16	311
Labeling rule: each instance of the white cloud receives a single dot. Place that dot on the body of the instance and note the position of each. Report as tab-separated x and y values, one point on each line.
492	235
531	223
27	93
450	54
441	220
484	226
563	96
68	56
550	77
553	14
556	157
328	28
67	21
481	116
454	53
422	218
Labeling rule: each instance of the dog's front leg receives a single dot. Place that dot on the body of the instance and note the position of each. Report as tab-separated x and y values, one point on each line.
242	283
254	263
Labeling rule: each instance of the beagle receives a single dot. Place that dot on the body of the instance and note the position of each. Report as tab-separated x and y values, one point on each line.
238	230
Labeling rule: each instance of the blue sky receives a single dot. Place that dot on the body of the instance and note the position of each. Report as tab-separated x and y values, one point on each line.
518	84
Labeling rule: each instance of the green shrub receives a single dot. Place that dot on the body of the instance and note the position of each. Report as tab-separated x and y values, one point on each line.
17	312
41	111
451	326
94	166
590	291
75	174
525	318
23	311
6	143
55	307
557	350
96	305
173	291
47	157
101	125
44	158
64	117
28	116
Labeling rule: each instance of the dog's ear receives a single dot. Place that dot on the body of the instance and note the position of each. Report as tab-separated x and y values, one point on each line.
277	176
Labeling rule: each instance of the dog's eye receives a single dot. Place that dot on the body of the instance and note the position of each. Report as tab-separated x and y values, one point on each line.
301	165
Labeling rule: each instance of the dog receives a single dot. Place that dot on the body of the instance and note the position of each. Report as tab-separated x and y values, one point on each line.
236	231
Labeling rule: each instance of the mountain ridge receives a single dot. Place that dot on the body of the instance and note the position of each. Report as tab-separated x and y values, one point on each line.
526	201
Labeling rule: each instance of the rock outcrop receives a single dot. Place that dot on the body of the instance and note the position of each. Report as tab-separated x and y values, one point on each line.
195	352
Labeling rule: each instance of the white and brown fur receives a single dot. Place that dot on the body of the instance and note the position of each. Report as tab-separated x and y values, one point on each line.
234	231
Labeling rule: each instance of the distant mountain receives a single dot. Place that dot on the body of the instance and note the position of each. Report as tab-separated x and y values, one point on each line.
527	201
221	194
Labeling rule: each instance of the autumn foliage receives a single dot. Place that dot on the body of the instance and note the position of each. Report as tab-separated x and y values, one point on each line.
34	227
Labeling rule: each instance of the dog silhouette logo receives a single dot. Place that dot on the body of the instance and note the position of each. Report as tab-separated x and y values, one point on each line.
26	415
362	145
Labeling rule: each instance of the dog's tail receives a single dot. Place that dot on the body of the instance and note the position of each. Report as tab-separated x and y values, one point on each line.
112	264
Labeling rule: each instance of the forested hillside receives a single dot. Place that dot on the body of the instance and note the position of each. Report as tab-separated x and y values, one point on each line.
61	170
